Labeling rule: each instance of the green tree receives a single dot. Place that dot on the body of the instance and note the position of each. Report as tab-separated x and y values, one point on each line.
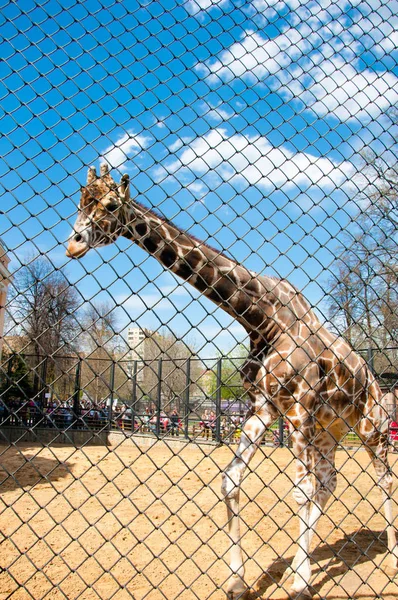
44	308
15	381
174	354
231	382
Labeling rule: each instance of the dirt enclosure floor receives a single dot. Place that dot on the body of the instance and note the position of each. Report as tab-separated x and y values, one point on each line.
130	522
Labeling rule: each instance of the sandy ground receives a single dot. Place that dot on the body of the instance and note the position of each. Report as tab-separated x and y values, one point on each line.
126	522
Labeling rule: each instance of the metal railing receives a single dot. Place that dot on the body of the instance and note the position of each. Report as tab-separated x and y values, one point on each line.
134	404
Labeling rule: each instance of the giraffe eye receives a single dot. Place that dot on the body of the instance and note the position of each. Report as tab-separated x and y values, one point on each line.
112	205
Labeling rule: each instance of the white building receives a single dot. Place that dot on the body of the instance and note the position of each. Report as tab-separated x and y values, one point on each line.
135	339
136	342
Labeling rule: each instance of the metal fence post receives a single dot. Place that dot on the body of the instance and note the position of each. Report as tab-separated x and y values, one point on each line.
41	403
9	383
111	394
76	393
186	398
43	376
36	377
159	397
217	433
281	432
134	396
371	364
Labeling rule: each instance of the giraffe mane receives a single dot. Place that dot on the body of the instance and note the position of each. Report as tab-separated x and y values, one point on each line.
159	215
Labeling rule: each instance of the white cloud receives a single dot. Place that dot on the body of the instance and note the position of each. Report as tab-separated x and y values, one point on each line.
241	159
340	89
323	75
198	189
163	298
195	6
144	302
216	338
246	160
128	146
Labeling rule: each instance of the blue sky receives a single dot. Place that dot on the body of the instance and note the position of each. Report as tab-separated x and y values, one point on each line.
241	121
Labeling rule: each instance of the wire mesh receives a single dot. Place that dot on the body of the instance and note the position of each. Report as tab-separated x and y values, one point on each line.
223	173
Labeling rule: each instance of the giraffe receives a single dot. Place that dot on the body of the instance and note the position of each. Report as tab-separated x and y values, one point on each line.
295	368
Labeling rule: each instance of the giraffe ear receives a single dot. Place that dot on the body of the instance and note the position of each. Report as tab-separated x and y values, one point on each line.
106	176
124	188
91	175
104	169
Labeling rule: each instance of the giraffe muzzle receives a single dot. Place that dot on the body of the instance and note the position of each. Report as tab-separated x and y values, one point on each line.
77	247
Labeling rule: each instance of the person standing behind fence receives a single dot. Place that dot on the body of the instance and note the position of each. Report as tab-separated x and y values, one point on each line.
153	423
175	423
146	420
212	423
205	424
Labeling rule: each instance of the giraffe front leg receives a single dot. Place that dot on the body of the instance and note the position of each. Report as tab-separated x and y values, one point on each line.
231	480
379	457
252	434
303	494
392	569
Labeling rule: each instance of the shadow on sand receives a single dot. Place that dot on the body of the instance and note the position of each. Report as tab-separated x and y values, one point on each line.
19	469
357	548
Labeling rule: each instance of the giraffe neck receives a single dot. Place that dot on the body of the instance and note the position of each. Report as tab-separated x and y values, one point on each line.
238	291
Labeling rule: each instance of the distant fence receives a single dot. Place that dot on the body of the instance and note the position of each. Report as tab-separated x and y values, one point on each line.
209	404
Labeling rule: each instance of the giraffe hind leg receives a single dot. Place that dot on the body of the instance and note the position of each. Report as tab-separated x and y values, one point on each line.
325	484
377	448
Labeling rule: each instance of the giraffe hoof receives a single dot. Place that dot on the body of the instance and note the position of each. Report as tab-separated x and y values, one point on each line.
304	594
391	571
235	588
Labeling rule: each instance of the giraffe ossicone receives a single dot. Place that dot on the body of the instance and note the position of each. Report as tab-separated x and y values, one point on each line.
296	367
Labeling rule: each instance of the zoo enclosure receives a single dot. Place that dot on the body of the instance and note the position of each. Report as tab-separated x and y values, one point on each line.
267	130
127	400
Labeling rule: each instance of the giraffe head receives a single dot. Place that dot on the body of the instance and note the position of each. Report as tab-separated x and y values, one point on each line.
100	219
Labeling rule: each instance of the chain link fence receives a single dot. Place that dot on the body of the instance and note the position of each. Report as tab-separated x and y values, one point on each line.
176	401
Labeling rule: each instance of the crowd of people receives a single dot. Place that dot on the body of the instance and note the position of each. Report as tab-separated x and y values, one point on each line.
229	426
61	414
154	421
55	413
161	422
96	416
